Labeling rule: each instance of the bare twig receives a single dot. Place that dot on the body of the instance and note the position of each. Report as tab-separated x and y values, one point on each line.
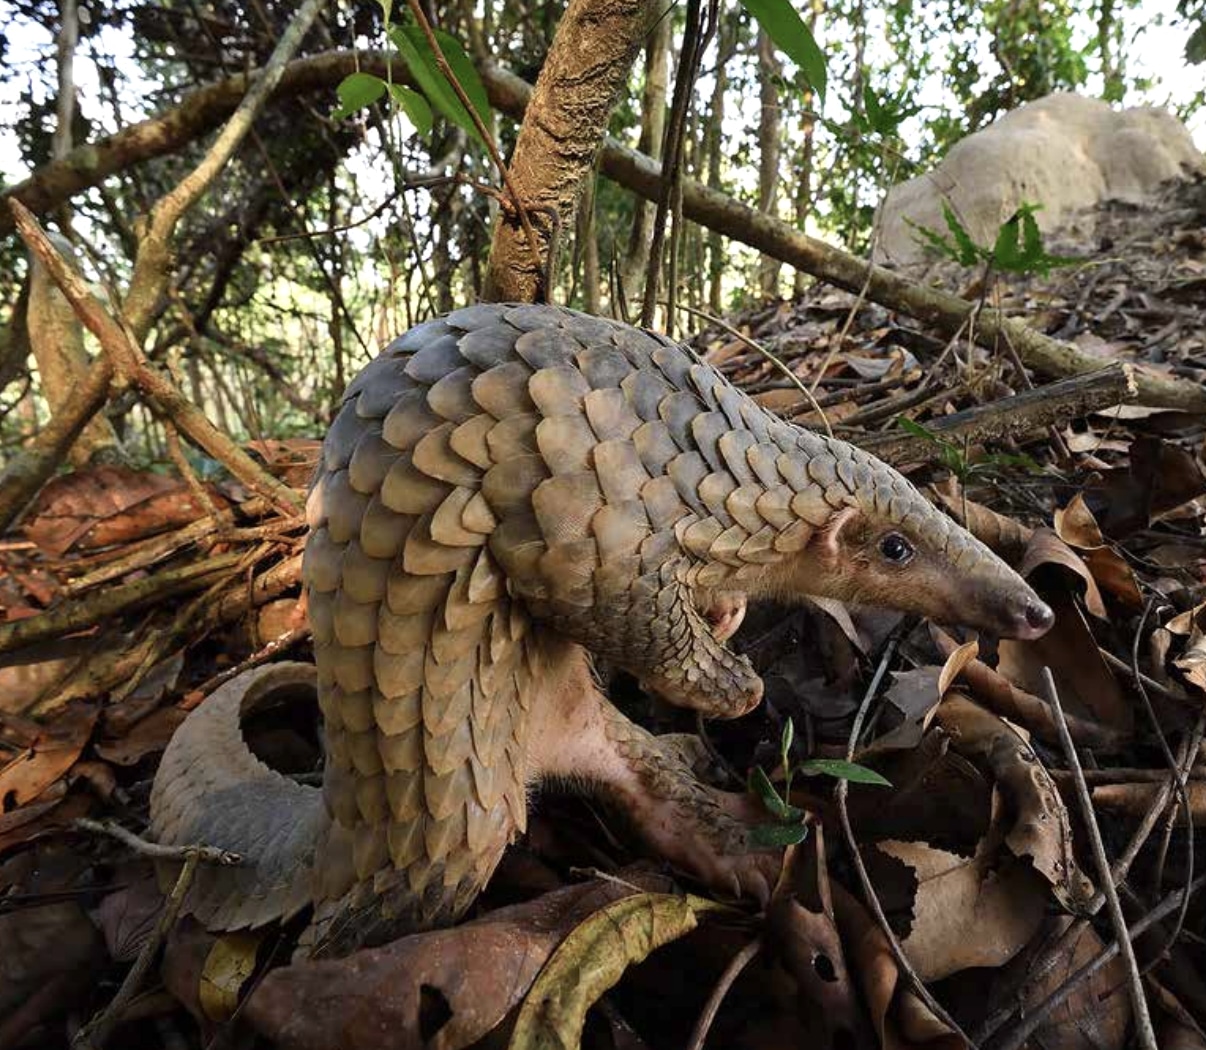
96	1032
731	972
771	357
154	850
869	894
1143	1021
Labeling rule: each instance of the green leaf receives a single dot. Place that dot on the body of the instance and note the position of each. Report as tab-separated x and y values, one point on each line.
835	767
911	426
761	786
785	27
789	734
768	836
420	60
967	254
387	10
465	72
414	106
356	91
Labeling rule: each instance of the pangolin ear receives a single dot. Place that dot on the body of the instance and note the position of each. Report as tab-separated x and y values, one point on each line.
829	537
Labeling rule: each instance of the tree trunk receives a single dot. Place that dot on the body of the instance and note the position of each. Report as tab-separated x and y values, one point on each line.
770	73
804	169
587	246
56	338
714	135
653	124
564	126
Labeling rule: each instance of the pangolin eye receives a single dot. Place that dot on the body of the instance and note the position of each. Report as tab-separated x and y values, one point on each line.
896	548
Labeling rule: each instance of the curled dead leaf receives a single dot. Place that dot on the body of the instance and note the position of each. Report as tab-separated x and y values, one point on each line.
593	958
1041	831
1077	527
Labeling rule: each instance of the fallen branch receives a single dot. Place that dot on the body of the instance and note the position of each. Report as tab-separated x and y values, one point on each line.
204	109
1012	417
111	602
120	348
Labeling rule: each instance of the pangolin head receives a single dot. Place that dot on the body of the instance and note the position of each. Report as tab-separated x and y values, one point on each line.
885	544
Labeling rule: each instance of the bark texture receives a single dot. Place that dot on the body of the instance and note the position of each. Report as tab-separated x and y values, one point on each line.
770	72
653	126
563	127
56	338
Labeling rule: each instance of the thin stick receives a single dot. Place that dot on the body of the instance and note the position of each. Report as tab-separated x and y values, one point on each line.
96	1032
154	850
1143	1021
1038	1016
872	900
731	972
772	358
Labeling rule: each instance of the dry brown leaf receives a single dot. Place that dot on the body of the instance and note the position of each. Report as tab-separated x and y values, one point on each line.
900	1020
1159	479
128	916
1077	527
377	999
1096	1015
1069	649
147	737
108	505
1002	697
51	755
1047	548
1041	831
1002	899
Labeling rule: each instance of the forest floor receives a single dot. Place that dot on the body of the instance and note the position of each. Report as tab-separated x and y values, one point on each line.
126	597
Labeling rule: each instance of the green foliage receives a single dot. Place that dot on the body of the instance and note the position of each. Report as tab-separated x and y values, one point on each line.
359	90
790	828
1018	247
842	770
786	28
955	459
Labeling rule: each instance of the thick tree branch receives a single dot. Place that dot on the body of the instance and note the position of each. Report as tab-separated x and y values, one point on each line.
588	63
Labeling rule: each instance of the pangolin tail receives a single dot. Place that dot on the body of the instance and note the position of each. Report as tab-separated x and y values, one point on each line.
212	791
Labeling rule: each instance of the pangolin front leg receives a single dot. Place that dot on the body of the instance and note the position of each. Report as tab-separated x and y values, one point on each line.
583	740
656	628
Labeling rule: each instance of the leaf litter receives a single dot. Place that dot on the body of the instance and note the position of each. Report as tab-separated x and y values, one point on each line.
125	594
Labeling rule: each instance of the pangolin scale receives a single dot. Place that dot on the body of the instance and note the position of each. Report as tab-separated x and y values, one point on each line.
505	490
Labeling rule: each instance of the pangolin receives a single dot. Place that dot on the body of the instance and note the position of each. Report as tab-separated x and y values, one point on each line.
505	491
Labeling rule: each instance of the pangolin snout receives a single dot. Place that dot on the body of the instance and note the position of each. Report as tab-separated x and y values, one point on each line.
1032	620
